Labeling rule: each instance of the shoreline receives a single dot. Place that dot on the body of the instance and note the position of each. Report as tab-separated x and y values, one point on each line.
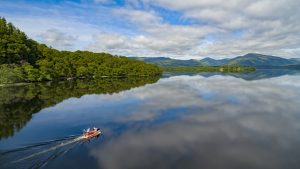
75	78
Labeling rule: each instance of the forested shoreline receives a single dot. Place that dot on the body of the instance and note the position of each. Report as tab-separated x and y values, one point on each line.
25	60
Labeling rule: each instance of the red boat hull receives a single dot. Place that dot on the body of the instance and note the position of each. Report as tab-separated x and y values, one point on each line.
91	134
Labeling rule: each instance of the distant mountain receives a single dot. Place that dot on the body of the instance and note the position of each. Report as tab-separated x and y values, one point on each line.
251	59
164	61
296	59
213	62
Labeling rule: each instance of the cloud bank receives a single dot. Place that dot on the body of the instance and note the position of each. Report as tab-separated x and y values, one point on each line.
178	29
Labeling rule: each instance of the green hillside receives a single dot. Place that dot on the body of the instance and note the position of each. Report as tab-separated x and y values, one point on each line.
25	60
213	62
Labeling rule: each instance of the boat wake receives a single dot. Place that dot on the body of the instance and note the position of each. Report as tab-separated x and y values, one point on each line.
39	154
51	149
38	144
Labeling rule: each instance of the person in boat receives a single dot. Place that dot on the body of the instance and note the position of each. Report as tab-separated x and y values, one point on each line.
89	130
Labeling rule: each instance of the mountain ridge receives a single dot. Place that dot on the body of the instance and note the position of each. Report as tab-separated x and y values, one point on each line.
250	59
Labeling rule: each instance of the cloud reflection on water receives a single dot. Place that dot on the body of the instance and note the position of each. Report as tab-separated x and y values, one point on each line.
225	123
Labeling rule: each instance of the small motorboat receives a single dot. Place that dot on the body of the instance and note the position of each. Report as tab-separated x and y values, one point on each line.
90	133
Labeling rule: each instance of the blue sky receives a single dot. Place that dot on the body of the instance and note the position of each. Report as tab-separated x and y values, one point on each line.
189	29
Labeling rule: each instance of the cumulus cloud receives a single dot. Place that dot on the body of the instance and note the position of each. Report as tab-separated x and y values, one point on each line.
57	39
178	29
229	29
266	26
154	37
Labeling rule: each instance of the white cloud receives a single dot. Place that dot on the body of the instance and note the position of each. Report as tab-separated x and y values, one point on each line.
155	38
218	29
57	39
239	27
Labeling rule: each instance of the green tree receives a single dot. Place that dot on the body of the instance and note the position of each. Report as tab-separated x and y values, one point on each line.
31	73
15	47
36	62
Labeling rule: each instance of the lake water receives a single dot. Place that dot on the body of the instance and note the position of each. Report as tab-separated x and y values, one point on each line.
194	120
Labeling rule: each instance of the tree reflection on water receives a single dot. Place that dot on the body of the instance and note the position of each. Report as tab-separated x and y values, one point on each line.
18	103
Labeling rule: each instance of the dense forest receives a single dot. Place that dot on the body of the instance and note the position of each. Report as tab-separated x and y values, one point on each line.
19	102
226	68
25	60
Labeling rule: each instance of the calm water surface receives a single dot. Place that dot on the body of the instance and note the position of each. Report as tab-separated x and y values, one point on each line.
249	120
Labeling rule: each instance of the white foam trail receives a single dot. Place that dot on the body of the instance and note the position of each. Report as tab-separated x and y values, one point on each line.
52	157
51	149
36	145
